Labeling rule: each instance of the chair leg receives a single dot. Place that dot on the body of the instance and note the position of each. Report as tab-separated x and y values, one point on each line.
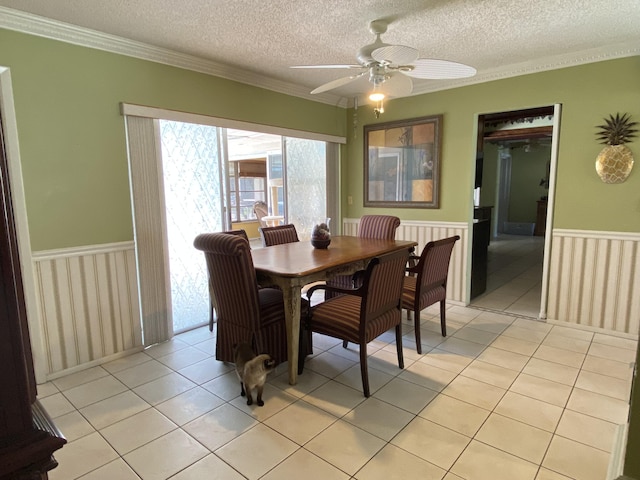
301	358
416	327
443	323
301	353
363	369
345	344
305	346
210	316
399	346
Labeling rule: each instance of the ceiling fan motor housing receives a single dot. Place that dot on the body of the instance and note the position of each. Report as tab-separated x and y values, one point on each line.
377	74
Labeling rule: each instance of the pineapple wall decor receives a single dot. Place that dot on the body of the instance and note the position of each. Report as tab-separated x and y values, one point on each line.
615	161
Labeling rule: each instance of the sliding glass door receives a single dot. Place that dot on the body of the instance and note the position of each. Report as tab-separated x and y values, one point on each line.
306	183
195	172
193	195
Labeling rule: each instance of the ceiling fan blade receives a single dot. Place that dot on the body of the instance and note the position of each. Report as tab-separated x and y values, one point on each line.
395	54
438	69
326	66
337	83
397	86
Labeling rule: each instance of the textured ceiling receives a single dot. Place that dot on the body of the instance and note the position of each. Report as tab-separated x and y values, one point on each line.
262	39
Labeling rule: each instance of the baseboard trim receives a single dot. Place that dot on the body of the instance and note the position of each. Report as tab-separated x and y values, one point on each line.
93	363
616	461
589	328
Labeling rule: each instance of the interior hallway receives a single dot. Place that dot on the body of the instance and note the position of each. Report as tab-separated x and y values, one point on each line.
514	276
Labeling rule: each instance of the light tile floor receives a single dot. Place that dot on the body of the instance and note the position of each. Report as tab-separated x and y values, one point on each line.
514	276
500	398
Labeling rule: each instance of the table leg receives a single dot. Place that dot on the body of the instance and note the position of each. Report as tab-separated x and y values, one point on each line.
292	301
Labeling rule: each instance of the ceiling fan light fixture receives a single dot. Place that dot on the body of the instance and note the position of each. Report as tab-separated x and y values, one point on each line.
378	98
378	109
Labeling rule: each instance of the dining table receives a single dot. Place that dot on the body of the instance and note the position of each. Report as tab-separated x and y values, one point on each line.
291	266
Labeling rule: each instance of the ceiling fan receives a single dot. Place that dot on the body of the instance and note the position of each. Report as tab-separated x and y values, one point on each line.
389	68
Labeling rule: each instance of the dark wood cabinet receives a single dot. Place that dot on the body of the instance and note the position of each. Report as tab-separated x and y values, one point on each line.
28	437
484	213
541	219
480	256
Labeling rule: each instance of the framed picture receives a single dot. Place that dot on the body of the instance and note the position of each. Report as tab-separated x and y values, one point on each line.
402	163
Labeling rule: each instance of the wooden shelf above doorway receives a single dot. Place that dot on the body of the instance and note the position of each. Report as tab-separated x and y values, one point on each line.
518	134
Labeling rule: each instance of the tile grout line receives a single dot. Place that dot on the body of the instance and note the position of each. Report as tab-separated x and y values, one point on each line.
458	374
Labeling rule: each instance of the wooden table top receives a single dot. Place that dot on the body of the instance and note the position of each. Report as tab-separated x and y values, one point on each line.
299	259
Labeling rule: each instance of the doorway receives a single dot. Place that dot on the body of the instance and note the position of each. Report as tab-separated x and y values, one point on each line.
515	154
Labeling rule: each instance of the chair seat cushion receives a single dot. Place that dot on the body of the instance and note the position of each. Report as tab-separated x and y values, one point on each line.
272	308
427	298
339	317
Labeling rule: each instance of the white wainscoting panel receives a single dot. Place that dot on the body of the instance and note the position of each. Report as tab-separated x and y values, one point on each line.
594	279
423	233
88	303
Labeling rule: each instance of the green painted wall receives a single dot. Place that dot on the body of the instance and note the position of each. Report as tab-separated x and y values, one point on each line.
72	136
527	169
588	93
73	150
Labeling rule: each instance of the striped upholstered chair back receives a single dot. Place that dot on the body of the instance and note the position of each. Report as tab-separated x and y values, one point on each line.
382	227
378	226
278	235
240	233
363	314
246	313
212	298
426	283
383	289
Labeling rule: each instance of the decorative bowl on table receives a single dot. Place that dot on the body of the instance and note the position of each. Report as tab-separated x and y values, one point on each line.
320	236
320	243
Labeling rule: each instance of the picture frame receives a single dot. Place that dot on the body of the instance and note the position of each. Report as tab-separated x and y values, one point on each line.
402	163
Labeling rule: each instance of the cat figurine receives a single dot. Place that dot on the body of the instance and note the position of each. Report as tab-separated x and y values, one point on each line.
252	371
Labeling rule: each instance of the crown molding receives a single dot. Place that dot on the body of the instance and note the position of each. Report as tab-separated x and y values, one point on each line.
40	26
43	27
574	59
556	62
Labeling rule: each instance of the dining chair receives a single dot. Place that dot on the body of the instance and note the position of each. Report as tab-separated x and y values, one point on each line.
360	315
378	226
212	298
382	227
426	282
246	313
278	235
260	209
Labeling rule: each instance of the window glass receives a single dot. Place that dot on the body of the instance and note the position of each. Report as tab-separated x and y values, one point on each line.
306	184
